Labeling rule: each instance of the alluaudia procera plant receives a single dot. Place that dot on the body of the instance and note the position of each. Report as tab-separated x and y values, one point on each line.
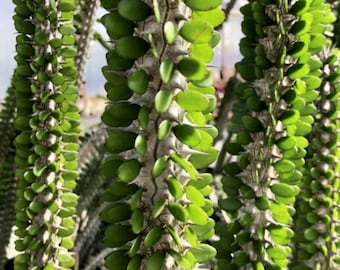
7	172
46	148
157	132
272	121
317	216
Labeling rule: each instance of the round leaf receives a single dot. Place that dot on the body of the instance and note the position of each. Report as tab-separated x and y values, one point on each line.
197	31
138	82
214	16
170	32
131	47
191	100
187	134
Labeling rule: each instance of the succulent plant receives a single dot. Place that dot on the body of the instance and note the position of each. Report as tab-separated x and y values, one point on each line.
8	182
272	119
47	144
145	180
156	74
316	221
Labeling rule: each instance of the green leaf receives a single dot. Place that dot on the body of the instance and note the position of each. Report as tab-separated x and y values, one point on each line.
287	143
65	260
262	203
184	164
110	166
116	62
118	90
317	41
119	141
192	68
230	204
197	31
194	195
66	6
302	26
38	187
175	187
117	235
280	213
134	10
216	37
302	128
191	237
298	71
137	220
156	260
251	123
290	117
116	212
284	166
38	170
143	117
138	82
311	234
241	259
134	263
302	142
164	129
202	231
163	100
284	190
202	5
234	148
206	142
141	145
122	189
299	48
280	235
203	180
292	178
278	252
180	259
196	118
117	26
203	253
160	165
299	7
158	208
187	134
197	214
310	96
170	32
191	100
214	16
202	51
69	198
114	117
67	29
153	236
201	161
167	70
231	182
203	90
117	260
174	236
131	47
247	192
312	82
129	170
178	211
136	199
